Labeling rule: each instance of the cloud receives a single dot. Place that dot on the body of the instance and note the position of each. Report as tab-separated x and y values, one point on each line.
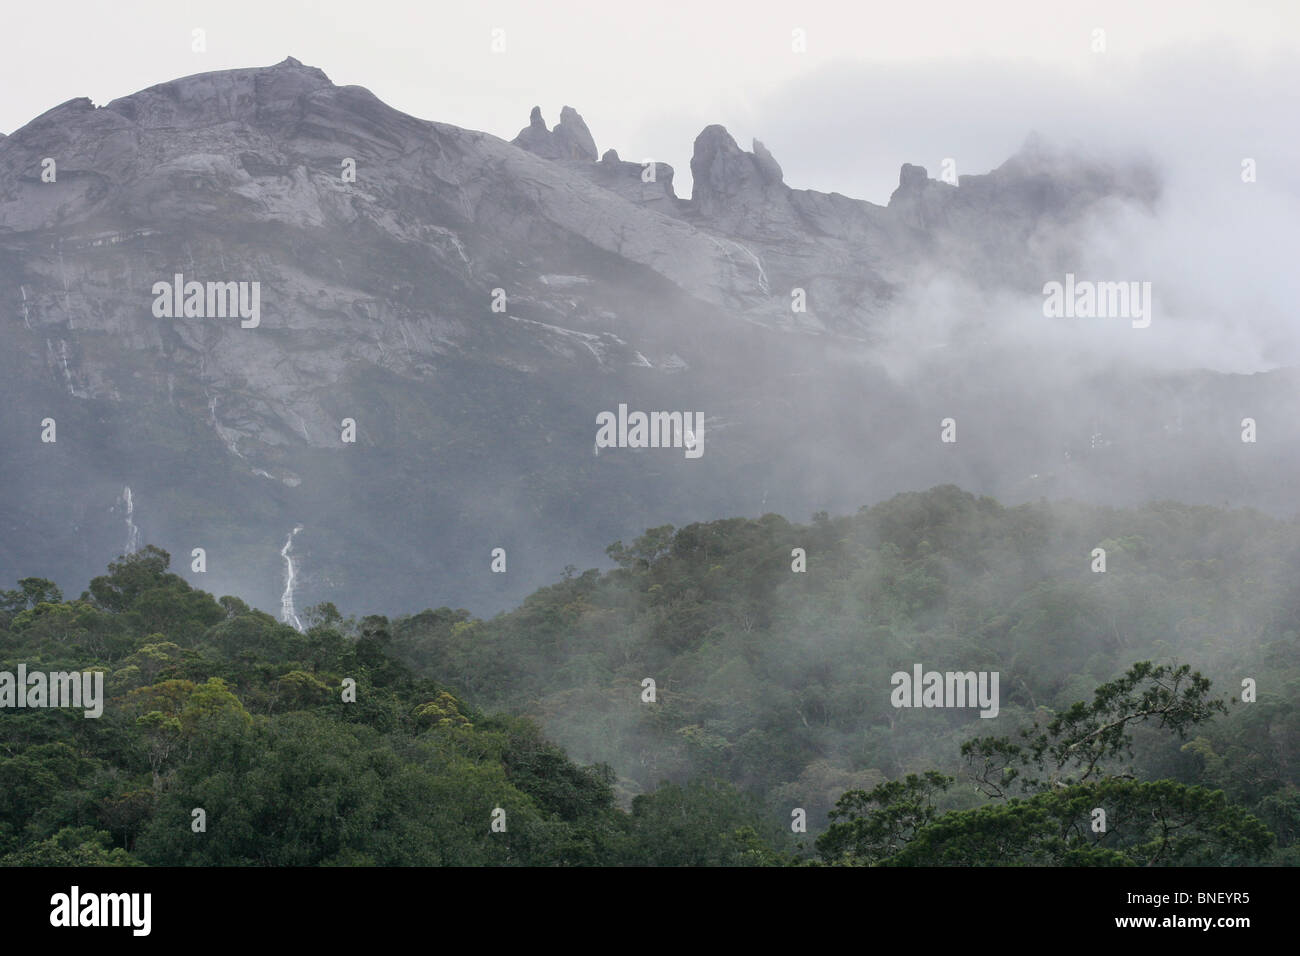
1217	250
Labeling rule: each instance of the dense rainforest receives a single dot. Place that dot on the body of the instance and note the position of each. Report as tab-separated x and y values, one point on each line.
723	695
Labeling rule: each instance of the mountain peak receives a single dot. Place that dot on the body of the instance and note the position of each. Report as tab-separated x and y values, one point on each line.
223	95
725	174
767	165
569	140
714	139
912	177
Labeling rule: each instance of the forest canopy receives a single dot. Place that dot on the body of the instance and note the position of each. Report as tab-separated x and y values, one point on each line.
1161	692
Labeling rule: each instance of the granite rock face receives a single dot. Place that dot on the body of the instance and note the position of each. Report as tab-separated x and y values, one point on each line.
216	175
569	140
646	184
470	303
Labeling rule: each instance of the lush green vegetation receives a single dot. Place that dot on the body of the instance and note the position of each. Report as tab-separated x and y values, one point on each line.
772	696
219	707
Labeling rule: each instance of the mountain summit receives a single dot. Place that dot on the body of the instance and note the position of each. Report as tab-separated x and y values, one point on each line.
569	140
470	305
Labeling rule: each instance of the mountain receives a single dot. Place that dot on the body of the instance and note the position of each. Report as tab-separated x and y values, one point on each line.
472	306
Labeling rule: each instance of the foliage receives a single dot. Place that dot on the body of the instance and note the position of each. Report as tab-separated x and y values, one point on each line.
772	695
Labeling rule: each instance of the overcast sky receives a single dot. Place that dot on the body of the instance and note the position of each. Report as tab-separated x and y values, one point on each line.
880	83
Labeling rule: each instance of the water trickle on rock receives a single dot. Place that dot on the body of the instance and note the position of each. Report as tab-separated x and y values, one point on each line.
132	531
287	613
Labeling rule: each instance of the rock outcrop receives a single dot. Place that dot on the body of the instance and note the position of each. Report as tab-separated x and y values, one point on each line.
570	140
648	184
728	180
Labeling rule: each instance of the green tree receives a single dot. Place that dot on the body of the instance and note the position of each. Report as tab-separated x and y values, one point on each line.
1075	746
1157	823
871	826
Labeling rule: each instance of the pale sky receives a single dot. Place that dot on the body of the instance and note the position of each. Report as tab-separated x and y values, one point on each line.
881	83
